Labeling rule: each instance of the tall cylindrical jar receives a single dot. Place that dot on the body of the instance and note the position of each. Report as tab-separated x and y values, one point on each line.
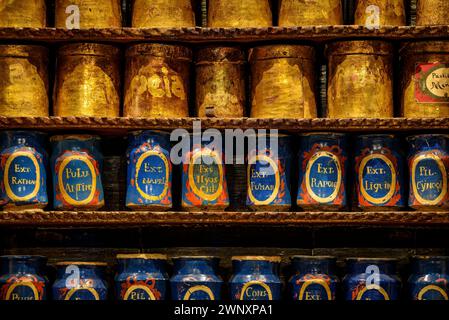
157	81
429	278
23	81
432	12
87	81
283	81
310	12
23	14
239	14
220	82
360	79
163	13
376	13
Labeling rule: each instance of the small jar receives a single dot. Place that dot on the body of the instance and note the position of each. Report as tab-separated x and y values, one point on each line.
163	14
432	12
310	13
379	173
429	279
314	279
149	171
239	14
269	169
323	164
371	279
255	278
141	277
76	165
23	14
80	281
195	278
428	162
23	176
22	278
376	13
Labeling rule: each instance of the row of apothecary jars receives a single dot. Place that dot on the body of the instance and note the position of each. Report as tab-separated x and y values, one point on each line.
75	14
283	81
376	163
145	277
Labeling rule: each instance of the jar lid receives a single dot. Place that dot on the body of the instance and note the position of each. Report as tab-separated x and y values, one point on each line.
281	51
23	257
81	263
324	134
146	256
424	47
427	136
374	47
194	257
423	257
160	50
353	259
89	49
276	259
23	51
82	137
213	54
313	257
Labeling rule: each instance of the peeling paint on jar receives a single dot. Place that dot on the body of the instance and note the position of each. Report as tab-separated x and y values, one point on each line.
429	279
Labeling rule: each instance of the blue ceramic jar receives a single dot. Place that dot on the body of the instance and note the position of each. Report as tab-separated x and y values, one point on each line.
428	162
76	165
195	278
255	278
23	176
149	171
23	278
429	279
314	279
371	279
269	166
323	166
141	277
80	281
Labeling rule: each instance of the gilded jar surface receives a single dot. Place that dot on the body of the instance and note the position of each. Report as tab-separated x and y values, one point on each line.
425	79
83	281
141	277
23	165
310	12
157	81
220	82
87	81
432	12
429	278
239	14
23	14
376	13
360	79
86	14
23	81
283	81
163	13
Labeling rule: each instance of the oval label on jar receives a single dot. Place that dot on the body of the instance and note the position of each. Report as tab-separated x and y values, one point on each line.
200	292
22	176
377	179
25	290
77	180
256	290
432	85
323	177
429	179
206	175
139	292
82	294
263	180
152	174
315	289
432	292
373	292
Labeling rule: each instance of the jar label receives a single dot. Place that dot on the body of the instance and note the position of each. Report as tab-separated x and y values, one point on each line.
82	294
77	180
315	289
377	179
263	180
152	175
206	175
256	290
139	292
323	177
432	82
432	292
22	176
200	292
24	290
429	179
373	292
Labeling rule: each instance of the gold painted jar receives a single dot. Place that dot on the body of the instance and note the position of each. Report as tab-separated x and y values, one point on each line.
23	81
432	12
310	12
220	82
425	79
375	13
360	79
163	14
239	14
22	14
87	81
91	13
157	80
283	81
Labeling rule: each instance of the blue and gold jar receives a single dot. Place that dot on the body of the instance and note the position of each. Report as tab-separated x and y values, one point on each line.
314	279
195	278
268	174
255	278
23	176
23	278
428	162
371	279
429	279
379	173
149	171
80	281
141	277
76	165
204	184
323	166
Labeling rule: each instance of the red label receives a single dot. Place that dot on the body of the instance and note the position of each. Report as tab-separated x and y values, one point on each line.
432	83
